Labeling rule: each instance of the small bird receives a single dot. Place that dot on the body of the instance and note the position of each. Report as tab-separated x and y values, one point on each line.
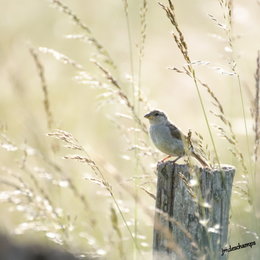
169	139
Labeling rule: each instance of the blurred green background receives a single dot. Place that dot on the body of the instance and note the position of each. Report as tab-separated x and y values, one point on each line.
88	115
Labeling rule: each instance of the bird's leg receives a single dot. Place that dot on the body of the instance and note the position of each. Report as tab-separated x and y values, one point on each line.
179	157
169	157
166	158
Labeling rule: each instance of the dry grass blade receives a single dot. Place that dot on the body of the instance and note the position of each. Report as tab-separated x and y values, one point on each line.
61	57
122	95
101	50
68	138
143	14
80	196
246	230
148	193
178	37
65	9
46	101
48	205
213	96
73	144
256	109
231	138
227	6
125	2
130	47
115	225
188	186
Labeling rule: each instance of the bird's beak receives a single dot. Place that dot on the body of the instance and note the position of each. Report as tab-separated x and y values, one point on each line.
147	116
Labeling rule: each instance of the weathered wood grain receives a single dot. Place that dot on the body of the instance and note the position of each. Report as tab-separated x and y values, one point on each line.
192	211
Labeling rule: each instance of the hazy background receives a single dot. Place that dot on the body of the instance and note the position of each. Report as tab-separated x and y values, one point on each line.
78	109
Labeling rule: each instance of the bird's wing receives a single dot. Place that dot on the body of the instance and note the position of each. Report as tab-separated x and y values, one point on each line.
175	132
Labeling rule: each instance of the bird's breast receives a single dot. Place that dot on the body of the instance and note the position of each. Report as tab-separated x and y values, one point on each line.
163	140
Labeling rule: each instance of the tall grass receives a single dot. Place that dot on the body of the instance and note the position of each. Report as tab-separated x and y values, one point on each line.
99	201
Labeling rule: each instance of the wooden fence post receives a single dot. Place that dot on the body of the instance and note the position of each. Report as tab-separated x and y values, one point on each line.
192	212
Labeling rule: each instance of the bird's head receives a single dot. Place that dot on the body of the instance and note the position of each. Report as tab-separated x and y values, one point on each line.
156	117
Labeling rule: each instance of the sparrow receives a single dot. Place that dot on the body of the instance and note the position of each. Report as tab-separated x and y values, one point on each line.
169	139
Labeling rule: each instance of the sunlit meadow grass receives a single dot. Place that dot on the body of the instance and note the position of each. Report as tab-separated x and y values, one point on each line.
77	166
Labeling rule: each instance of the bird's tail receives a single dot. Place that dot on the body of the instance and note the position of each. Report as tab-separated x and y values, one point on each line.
200	159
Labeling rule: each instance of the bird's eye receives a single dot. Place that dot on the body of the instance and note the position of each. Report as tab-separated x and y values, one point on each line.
156	114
